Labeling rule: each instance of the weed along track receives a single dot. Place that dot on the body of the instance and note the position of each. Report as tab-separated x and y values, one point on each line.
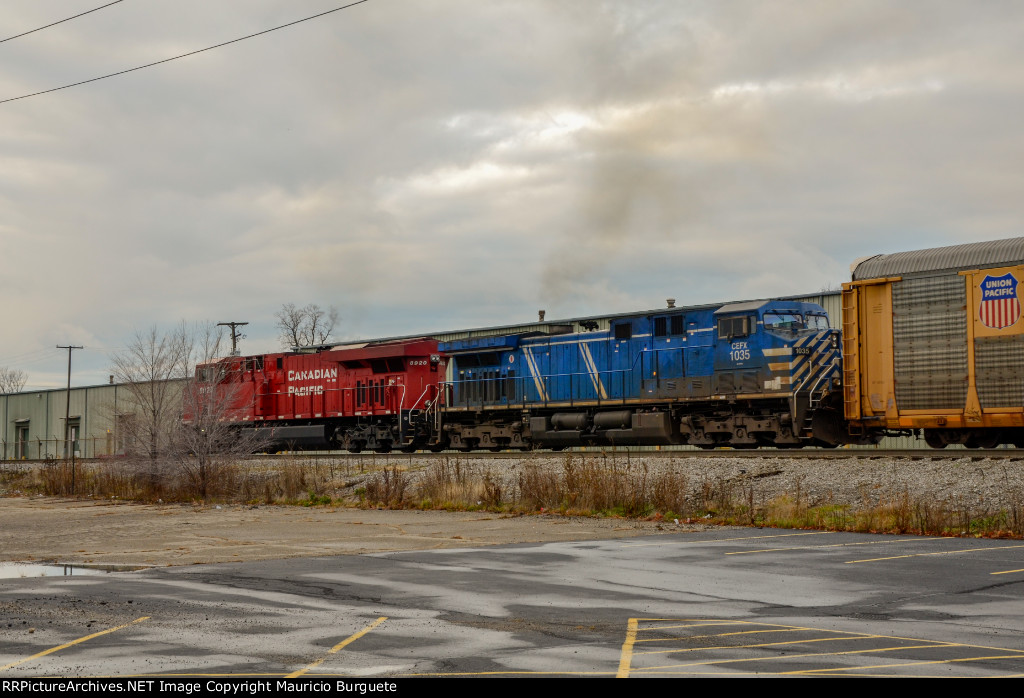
969	493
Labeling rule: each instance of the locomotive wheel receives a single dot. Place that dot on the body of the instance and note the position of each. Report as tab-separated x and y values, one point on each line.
382	447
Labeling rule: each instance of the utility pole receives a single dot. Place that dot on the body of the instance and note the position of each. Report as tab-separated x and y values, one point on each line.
235	335
68	452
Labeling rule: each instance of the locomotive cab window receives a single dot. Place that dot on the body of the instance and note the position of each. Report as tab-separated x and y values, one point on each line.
784	322
624	330
210	374
817	322
733	327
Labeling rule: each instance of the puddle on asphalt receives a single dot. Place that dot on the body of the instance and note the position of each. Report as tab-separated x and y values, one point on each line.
16	570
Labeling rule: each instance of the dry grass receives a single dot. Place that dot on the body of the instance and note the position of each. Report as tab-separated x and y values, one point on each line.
583	484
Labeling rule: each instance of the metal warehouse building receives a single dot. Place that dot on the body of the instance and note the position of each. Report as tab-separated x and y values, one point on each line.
34	420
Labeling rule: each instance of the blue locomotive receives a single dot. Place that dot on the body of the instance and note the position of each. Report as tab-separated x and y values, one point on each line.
760	373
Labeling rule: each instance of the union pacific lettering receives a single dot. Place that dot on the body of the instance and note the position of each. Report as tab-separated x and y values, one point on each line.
998	288
314	375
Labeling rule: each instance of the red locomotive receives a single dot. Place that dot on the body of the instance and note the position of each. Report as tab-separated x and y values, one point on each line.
375	396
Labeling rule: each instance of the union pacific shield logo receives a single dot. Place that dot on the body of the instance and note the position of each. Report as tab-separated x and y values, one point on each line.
1000	306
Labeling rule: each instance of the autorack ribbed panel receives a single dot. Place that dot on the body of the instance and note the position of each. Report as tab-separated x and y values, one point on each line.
977	255
999	370
930	341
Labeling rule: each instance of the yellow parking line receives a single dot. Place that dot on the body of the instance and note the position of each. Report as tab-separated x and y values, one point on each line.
69	644
770	644
510	672
1006	572
347	641
704	637
677	541
890	666
743	660
944	552
681	624
833	545
626	657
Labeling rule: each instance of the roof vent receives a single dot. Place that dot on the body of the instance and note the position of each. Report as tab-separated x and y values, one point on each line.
540	315
671	302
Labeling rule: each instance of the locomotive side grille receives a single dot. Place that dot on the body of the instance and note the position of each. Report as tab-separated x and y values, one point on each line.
999	370
749	382
930	342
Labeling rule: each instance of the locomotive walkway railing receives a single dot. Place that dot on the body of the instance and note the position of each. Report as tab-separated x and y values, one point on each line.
508	391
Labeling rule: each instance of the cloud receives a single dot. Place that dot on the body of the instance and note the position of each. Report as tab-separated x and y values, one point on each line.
427	167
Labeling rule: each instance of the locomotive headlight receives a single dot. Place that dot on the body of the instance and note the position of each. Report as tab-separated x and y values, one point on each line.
835	341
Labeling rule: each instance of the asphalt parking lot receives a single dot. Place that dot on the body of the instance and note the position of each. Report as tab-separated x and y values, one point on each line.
724	603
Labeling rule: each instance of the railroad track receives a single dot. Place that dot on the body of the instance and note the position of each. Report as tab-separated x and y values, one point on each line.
1007	454
839	453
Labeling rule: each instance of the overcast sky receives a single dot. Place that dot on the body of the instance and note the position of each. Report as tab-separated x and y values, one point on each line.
448	164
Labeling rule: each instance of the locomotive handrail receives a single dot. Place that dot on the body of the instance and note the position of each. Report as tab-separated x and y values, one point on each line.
821	376
546	378
401	401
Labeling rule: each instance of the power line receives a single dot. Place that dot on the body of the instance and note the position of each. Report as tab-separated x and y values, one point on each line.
27	358
53	24
185	55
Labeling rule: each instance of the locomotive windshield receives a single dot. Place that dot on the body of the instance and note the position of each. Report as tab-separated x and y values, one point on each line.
210	374
817	322
793	322
777	322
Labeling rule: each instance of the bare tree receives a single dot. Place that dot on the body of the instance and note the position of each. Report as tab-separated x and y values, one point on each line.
151	370
12	380
308	326
204	449
164	389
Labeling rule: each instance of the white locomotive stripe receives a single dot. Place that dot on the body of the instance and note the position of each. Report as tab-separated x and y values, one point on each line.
594	375
782	351
590	368
532	365
589	340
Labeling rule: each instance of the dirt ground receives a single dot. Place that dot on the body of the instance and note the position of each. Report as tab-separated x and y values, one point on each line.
46	529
